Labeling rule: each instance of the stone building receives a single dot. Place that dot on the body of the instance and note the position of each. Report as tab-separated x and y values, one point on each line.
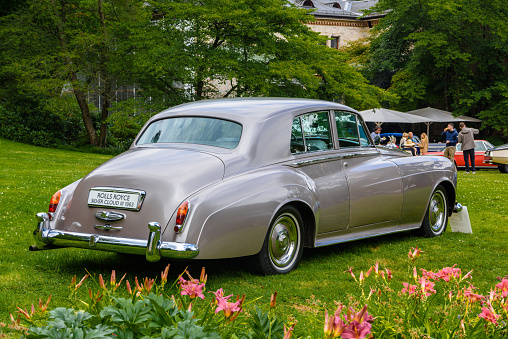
340	21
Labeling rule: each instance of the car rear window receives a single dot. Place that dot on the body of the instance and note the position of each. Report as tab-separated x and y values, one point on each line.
193	130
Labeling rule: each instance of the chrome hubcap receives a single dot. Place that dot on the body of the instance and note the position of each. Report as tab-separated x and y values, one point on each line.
284	240
437	210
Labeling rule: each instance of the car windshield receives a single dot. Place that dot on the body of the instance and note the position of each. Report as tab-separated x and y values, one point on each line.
193	130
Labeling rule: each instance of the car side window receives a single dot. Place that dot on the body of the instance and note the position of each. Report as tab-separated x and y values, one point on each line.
364	140
347	130
311	132
479	146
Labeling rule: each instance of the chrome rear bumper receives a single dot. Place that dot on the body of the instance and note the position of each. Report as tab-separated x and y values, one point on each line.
154	249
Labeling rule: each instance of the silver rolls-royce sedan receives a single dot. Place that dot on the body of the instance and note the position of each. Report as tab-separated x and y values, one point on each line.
249	177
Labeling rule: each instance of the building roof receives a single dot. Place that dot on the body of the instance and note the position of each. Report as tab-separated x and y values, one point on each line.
337	8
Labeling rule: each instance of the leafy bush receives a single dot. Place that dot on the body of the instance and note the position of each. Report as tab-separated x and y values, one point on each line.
34	123
442	304
126	119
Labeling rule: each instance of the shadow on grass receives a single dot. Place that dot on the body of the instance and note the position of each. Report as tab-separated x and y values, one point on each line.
78	261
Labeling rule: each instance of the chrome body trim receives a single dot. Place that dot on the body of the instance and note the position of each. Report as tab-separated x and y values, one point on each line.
109	216
458	207
153	249
108	227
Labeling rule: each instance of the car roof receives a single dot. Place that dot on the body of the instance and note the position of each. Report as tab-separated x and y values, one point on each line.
248	109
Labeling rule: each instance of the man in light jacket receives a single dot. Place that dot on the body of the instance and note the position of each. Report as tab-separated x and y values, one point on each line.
466	137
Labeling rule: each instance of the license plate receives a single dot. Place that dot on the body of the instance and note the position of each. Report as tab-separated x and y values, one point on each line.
119	198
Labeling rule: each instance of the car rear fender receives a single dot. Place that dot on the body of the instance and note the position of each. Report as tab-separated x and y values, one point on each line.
231	218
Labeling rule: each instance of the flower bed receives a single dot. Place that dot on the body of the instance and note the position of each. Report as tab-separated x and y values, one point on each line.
442	304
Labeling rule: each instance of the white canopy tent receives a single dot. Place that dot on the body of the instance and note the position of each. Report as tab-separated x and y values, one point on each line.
437	115
381	115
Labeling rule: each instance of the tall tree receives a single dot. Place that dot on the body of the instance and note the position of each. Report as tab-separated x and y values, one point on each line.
52	45
451	54
222	48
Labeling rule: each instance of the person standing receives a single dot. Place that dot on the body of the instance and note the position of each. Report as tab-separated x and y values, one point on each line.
375	135
424	143
416	146
466	137
451	136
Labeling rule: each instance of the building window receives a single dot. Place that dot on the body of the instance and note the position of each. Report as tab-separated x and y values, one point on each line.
308	3
335	42
335	5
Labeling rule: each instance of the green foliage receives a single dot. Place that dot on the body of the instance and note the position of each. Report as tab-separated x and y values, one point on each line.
451	55
265	326
56	50
126	119
208	49
31	122
68	323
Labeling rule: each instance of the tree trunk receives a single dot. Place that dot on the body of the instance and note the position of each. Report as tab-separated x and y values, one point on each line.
106	103
78	93
105	92
85	112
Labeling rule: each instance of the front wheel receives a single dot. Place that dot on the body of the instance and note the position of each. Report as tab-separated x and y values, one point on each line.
436	218
503	168
283	245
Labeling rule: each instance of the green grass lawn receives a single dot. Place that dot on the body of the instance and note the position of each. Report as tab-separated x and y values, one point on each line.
30	175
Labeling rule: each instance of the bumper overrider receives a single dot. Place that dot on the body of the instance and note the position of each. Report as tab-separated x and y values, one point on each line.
154	249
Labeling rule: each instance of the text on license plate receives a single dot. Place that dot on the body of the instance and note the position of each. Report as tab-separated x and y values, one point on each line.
116	198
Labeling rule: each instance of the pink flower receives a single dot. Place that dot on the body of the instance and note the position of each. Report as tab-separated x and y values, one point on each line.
334	325
350	271
193	290
415	274
376	268
472	297
429	274
414	253
101	282
273	300
427	287
227	307
449	273
203	277
192	287
389	274
368	272
408	289
468	275
164	274
288	332
489	315
363	315
357	330
361	278
503	287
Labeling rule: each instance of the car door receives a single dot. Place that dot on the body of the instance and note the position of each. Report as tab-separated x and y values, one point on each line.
317	156
375	184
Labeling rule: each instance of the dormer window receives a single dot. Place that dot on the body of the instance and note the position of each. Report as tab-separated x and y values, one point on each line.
308	3
335	5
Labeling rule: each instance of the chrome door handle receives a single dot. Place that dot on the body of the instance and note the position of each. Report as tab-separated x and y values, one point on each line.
346	163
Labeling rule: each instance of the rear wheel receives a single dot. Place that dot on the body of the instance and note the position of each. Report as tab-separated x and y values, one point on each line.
503	168
436	218
283	245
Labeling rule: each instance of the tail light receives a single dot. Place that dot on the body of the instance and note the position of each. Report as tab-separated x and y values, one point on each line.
53	203
181	215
